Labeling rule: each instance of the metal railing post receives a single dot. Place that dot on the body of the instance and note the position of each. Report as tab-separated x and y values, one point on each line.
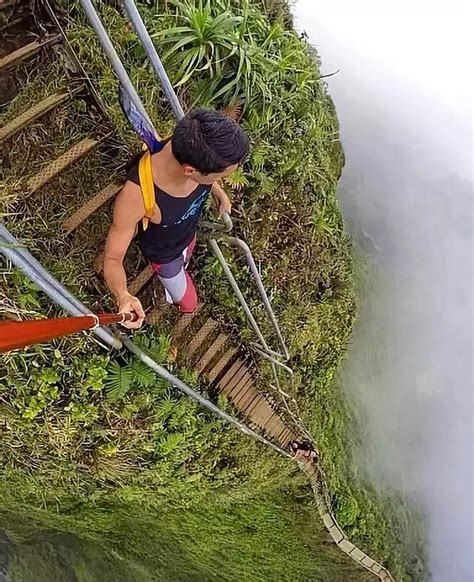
113	57
265	354
142	32
245	306
244	247
235	286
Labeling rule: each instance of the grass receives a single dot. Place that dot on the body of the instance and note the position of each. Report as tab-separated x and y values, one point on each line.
106	462
217	539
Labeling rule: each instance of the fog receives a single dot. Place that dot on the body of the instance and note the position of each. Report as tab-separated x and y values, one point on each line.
404	96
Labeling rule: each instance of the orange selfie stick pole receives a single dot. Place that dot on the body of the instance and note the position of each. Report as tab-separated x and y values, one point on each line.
18	334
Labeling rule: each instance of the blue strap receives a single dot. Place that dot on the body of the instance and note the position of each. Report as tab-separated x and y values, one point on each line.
139	124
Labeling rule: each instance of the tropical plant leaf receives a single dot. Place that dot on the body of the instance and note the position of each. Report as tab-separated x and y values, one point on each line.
170	443
167	33
237	179
165	408
141	375
118	381
233	111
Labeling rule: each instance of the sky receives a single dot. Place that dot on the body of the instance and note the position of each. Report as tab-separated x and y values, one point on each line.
404	94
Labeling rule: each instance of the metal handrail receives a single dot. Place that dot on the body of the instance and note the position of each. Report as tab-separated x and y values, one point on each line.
267	355
142	33
225	226
113	57
244	247
243	302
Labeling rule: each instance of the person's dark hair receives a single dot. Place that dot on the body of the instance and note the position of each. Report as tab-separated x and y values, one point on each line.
209	141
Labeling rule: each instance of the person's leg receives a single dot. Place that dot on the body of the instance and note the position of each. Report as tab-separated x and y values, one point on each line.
177	282
188	252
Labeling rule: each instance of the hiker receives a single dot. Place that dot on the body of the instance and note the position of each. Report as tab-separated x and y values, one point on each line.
205	147
304	451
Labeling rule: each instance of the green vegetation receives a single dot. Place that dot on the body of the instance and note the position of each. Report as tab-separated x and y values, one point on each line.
148	477
217	540
104	456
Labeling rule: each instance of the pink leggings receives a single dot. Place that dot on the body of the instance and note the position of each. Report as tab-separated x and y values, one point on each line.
175	279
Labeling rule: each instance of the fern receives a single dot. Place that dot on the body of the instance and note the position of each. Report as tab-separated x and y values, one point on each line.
170	442
160	386
189	377
180	416
118	381
160	348
156	347
141	375
258	157
165	408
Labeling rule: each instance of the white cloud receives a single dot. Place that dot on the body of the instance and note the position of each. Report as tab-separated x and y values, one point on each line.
404	96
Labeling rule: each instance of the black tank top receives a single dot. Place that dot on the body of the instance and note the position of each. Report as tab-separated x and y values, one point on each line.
164	242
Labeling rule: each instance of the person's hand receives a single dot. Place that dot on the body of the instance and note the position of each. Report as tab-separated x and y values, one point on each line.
225	205
130	304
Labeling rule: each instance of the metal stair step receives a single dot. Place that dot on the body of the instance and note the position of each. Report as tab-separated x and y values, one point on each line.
247	386
60	164
230	373
27	117
272	425
184	321
253	404
91	206
230	388
291	436
214	373
286	436
276	427
239	385
250	394
200	337
27	51
256	408
261	413
282	430
216	346
140	280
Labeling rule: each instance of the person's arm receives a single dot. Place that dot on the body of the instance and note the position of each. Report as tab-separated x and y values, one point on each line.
128	211
223	203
